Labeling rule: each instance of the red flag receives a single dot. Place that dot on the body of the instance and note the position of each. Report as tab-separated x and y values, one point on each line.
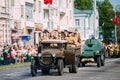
50	2
116	21
46	1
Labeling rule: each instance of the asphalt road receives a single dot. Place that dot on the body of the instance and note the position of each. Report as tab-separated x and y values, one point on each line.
111	71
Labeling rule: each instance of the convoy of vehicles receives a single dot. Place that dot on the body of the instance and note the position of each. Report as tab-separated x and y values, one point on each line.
59	54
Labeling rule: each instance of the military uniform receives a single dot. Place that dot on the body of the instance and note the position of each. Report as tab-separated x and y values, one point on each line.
44	38
110	49
77	35
116	49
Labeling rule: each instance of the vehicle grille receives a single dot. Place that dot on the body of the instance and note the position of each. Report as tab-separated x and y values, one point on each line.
46	59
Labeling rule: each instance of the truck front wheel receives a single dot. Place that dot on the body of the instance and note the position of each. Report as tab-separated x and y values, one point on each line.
98	61
60	67
33	69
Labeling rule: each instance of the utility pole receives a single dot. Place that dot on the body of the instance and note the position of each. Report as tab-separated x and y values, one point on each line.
115	29
94	26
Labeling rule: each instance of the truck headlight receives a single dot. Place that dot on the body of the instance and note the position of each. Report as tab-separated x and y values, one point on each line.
97	52
53	54
39	54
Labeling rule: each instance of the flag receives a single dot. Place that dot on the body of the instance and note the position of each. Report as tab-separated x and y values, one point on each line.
50	2
46	1
116	21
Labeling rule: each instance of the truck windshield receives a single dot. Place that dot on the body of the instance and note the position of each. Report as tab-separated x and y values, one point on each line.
52	46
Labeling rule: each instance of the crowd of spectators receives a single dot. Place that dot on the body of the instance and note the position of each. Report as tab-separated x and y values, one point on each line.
16	54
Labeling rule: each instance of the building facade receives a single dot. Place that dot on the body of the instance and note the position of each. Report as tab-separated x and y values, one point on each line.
34	16
85	23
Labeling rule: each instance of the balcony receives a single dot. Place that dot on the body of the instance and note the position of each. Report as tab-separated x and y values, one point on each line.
4	13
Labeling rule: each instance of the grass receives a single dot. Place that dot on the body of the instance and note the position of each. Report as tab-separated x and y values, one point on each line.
14	65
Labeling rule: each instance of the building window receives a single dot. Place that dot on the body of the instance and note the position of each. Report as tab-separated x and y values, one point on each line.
46	14
12	2
29	11
77	22
39	6
22	10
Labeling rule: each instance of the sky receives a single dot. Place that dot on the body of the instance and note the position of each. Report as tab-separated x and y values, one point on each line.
115	2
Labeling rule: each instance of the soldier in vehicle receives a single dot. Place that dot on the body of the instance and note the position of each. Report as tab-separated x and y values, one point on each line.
45	35
77	38
71	42
52	35
70	38
59	36
77	35
56	34
110	49
65	35
116	48
105	49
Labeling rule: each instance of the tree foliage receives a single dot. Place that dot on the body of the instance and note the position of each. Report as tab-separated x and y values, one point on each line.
106	14
105	9
83	4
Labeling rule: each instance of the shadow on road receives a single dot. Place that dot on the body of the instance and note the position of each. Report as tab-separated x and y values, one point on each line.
117	62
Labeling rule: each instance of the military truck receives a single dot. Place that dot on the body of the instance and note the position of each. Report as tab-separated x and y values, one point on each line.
93	51
55	54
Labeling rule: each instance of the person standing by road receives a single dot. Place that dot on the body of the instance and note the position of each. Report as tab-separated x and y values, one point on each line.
6	55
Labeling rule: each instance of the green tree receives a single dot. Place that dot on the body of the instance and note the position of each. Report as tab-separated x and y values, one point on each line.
83	4
105	9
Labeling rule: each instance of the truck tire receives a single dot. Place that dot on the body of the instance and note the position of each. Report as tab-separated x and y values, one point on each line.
33	69
60	67
70	69
73	67
98	61
103	62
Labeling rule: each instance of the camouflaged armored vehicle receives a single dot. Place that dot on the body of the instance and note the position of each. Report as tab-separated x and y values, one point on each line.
93	51
55	55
